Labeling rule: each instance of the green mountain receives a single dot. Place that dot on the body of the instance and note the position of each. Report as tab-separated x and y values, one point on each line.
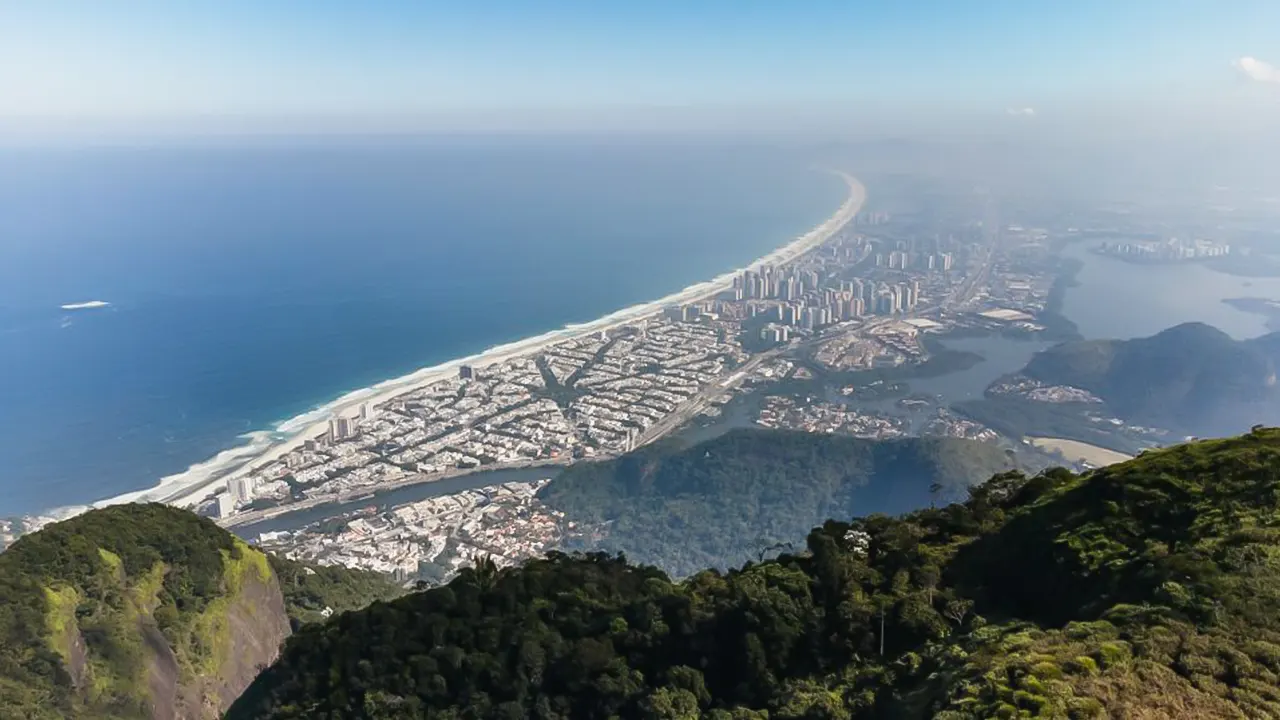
1191	378
1149	589
719	503
146	611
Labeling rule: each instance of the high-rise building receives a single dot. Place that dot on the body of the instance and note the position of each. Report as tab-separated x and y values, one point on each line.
791	316
466	372
226	505
810	318
241	490
340	429
884	302
775	333
368	413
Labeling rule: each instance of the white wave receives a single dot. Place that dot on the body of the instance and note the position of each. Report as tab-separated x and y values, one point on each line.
219	465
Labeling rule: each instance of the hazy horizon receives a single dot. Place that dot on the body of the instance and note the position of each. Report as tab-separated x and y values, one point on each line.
814	71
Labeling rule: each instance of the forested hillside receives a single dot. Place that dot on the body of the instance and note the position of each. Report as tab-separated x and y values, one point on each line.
1191	378
720	503
1149	589
147	611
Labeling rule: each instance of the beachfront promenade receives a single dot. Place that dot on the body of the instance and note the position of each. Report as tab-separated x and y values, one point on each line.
587	390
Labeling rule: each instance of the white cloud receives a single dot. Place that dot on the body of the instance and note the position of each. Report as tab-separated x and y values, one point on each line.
1259	70
1022	112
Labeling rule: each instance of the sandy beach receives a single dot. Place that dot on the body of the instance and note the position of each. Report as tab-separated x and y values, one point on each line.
188	488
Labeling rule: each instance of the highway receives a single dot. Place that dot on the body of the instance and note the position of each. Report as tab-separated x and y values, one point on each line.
699	402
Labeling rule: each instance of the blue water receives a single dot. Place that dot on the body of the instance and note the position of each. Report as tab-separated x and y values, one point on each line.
252	283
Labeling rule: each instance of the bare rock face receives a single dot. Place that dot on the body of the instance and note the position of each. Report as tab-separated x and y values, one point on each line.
258	626
249	630
244	632
134	612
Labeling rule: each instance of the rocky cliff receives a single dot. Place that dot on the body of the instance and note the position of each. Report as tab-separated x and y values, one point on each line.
140	611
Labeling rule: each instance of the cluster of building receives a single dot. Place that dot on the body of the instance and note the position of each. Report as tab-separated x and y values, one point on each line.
621	386
582	397
1029	389
914	260
874	345
813	295
946	423
432	539
1170	250
825	417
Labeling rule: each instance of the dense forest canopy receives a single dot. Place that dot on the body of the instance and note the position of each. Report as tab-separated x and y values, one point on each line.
1147	589
720	503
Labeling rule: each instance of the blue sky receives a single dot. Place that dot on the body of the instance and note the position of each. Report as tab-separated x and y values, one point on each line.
382	61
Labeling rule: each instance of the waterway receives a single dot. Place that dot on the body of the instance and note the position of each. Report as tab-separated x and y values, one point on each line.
1116	299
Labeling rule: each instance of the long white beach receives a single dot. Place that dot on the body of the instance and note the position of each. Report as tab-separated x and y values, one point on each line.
187	488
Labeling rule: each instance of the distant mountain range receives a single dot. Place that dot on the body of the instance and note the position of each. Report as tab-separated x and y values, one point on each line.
1191	378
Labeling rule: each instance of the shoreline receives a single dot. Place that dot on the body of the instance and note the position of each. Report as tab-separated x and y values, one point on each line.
186	488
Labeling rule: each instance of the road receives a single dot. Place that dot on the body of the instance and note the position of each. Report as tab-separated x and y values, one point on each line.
699	402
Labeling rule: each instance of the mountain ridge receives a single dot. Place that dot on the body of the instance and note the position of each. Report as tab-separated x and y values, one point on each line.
1145	589
1191	377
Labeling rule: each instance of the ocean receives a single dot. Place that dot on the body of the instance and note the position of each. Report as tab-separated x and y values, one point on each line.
250	283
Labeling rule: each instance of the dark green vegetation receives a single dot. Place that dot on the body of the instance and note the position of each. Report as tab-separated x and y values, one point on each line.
1192	379
100	612
719	503
309	589
1148	589
140	611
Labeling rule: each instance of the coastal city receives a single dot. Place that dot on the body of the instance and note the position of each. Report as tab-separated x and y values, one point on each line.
819	338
